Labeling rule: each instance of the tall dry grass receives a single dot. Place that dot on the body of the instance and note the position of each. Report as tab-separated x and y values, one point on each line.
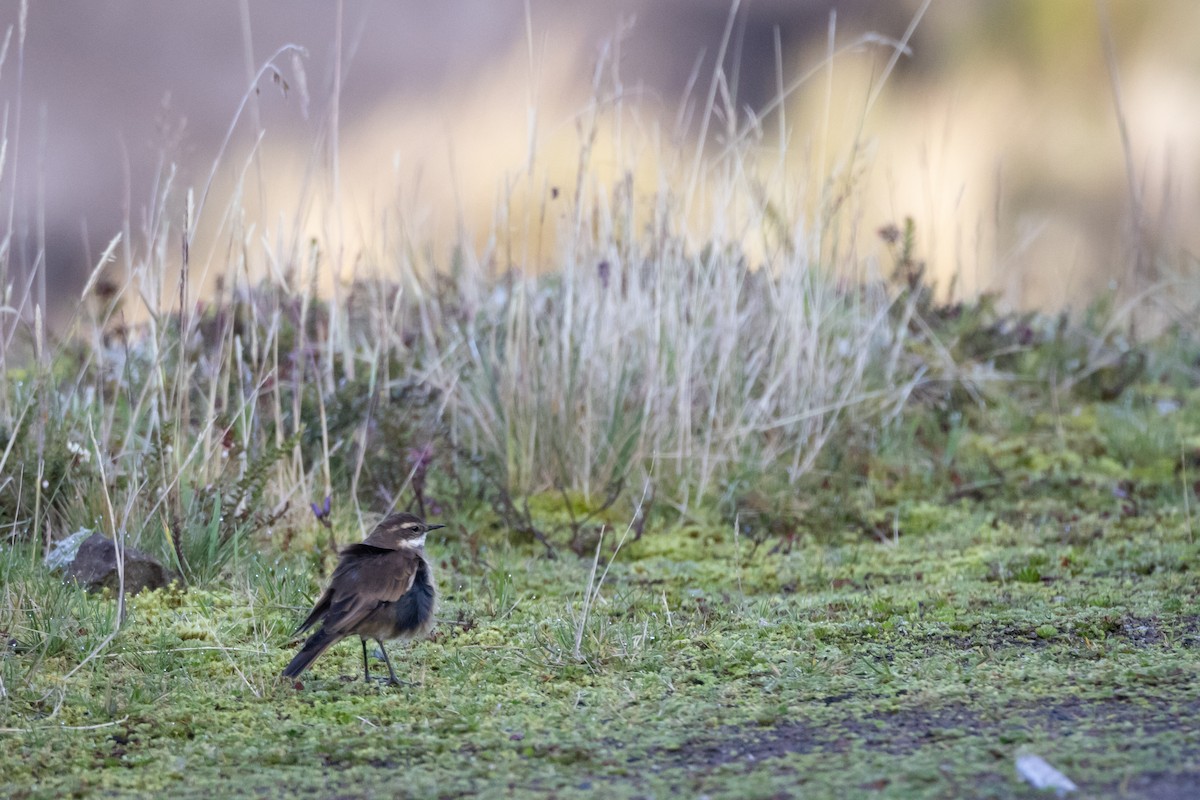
697	324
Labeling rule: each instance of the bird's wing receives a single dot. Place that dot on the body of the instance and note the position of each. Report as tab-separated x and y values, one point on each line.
355	551
318	611
366	578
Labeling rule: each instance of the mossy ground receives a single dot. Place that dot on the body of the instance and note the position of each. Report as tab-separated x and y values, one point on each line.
1030	582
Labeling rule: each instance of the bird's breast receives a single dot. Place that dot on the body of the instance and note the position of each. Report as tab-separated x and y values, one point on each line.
409	616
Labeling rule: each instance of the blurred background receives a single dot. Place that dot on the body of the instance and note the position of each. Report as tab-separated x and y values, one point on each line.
997	132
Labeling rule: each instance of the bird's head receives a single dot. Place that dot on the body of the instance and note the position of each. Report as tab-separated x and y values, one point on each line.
400	530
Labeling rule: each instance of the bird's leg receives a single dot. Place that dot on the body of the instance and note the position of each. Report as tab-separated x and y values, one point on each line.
366	670
394	680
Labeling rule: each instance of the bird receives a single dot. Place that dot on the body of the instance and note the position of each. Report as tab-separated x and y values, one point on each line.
382	588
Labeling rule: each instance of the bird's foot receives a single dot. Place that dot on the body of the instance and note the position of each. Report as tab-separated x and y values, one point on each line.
387	681
398	682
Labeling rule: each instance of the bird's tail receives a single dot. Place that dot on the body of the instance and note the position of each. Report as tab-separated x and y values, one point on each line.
318	643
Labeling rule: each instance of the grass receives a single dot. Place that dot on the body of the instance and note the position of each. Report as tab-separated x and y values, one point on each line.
729	515
1049	616
909	650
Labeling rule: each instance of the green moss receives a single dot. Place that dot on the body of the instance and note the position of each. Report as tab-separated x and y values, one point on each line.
896	663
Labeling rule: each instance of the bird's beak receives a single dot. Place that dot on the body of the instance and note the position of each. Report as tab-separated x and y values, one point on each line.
433	527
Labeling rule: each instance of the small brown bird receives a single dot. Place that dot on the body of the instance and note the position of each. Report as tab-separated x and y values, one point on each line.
382	589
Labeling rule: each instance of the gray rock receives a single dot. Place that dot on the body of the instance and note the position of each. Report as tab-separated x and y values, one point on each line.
63	552
95	567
